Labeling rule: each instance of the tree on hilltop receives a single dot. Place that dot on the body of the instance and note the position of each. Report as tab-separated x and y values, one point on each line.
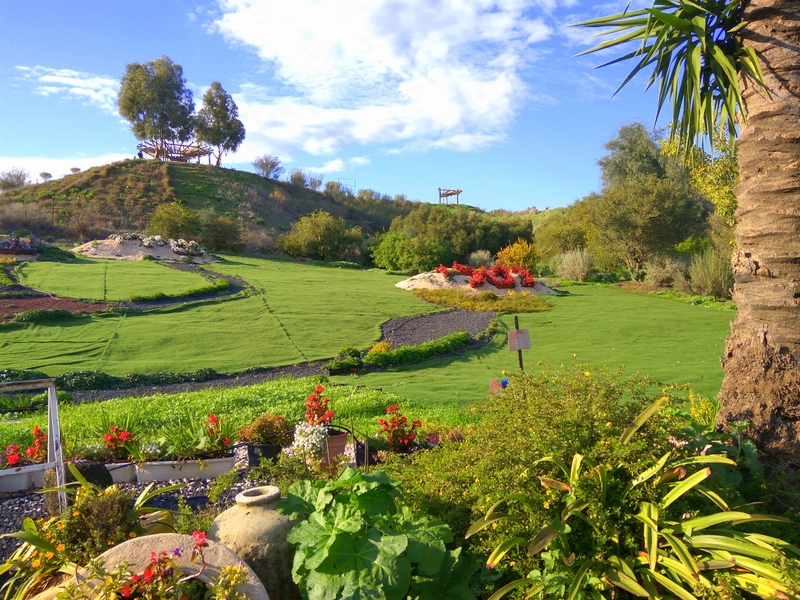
153	97
217	122
15	177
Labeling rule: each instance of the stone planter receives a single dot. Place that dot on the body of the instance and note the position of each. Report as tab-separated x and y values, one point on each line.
136	554
122	472
165	470
255	452
257	534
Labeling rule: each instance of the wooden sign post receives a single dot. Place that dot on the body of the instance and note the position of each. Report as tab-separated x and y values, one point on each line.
518	340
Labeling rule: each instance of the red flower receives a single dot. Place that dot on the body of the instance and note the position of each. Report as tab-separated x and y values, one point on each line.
212	418
319	389
125	435
199	538
148	574
226	442
126	592
30	451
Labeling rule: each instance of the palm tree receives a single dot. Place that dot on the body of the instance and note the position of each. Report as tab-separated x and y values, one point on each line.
737	62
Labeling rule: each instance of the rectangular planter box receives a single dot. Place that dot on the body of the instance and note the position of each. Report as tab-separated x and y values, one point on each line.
165	470
15	480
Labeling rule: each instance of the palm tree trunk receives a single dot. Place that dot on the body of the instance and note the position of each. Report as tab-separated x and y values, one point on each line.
762	378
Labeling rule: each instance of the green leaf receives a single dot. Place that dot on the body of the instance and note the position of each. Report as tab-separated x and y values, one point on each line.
514	585
713	496
699	523
501	550
575	469
484	522
426	541
672	20
554	485
719	542
573	508
673	587
577	581
627	583
544	537
451	582
684	486
682	552
649	516
641	419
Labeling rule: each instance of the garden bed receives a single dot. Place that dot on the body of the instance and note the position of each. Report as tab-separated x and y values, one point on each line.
11	306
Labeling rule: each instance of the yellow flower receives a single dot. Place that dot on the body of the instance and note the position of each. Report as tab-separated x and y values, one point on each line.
50	555
60	526
35	564
547	504
60	547
587	373
132	534
76	513
609	424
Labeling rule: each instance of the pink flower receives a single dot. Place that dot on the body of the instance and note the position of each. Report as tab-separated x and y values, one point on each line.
199	538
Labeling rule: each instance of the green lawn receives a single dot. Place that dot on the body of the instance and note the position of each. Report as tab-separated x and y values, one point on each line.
669	341
108	280
300	313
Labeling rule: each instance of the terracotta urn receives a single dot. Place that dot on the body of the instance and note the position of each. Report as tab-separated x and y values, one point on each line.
256	532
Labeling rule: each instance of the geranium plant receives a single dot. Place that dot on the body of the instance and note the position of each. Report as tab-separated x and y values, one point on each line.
11	457
38	452
396	429
188	439
119	443
317	411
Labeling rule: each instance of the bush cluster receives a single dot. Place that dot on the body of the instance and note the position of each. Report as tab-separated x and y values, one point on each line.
520	254
411	354
42	315
556	413
96	380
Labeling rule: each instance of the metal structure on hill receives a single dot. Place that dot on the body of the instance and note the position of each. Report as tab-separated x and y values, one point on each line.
176	151
446	193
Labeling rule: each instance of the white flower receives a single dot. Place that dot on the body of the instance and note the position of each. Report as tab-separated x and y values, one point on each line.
310	438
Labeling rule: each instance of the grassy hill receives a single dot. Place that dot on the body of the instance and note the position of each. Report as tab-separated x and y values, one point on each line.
122	196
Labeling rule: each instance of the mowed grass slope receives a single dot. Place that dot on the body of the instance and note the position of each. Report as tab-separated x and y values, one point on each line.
669	341
107	280
299	313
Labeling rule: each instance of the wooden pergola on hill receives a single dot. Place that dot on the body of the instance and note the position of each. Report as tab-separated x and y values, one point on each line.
176	151
446	193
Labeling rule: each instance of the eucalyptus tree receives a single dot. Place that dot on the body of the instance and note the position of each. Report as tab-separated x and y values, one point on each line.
217	122
735	62
154	98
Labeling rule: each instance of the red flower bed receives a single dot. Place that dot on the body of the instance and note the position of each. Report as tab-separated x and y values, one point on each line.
463	269
499	276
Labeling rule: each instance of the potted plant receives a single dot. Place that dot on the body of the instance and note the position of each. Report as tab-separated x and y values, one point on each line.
395	429
190	450
265	437
120	447
24	469
317	436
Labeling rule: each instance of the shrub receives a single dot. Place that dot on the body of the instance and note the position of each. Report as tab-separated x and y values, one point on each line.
267	429
652	531
484	301
222	233
374	547
175	221
480	258
557	413
300	178
396	252
382	346
575	265
411	354
42	315
268	166
521	254
321	236
710	275
664	271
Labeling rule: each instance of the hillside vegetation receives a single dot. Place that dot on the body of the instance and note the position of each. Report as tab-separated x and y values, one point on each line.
123	196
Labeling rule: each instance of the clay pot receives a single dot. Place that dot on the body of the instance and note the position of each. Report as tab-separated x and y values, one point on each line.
257	533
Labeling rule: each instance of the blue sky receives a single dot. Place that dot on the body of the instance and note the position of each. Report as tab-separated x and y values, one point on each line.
402	96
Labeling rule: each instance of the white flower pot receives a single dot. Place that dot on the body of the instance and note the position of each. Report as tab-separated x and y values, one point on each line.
165	470
122	472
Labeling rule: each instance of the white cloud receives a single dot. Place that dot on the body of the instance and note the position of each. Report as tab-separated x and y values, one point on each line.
416	73
333	166
359	161
94	90
57	167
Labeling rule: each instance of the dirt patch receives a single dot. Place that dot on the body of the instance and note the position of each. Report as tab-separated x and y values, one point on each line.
11	306
132	250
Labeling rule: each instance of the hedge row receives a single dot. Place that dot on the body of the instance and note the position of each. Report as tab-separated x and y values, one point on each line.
412	354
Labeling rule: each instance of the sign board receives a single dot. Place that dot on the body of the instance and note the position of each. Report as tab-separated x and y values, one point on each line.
518	339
